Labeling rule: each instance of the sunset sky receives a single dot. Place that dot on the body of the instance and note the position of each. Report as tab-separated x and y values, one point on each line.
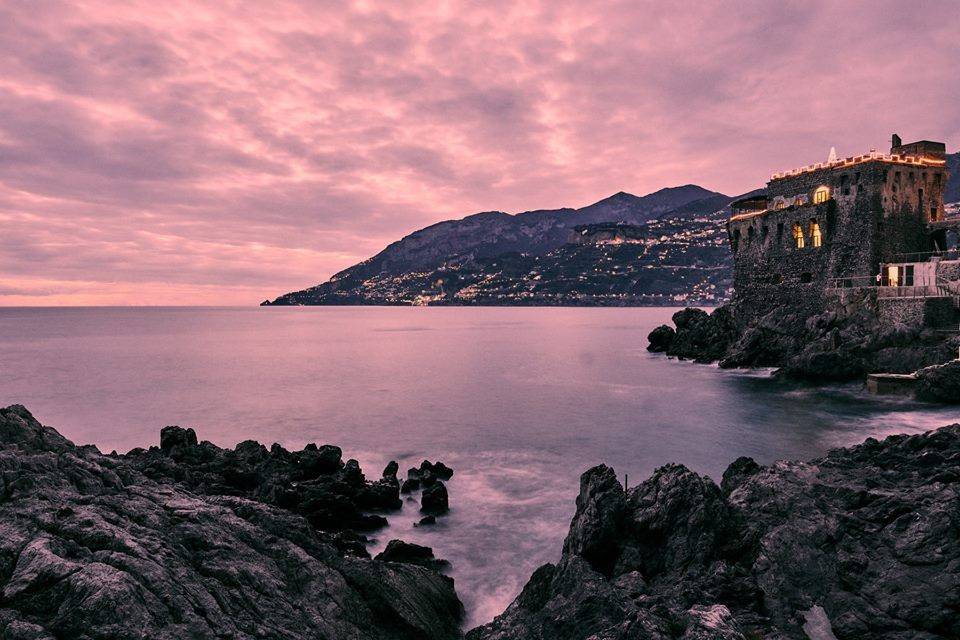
170	152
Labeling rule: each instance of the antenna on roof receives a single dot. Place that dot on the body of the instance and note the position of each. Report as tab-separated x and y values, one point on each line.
833	155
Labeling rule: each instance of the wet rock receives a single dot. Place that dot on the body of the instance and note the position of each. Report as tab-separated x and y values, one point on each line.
400	551
865	537
939	383
91	547
391	469
436	470
410	485
660	339
426	521
434	499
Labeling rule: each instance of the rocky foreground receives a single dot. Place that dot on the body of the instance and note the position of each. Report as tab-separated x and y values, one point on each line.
190	541
861	544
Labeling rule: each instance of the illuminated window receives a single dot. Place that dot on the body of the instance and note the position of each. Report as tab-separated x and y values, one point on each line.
798	201
816	237
798	235
821	195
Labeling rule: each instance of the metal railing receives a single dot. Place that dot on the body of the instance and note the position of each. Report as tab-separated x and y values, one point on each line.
884	289
926	256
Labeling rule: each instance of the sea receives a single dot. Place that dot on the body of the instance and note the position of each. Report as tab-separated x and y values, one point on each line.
518	401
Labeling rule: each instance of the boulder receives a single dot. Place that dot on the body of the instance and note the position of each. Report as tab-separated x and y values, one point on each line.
434	499
661	338
400	551
391	469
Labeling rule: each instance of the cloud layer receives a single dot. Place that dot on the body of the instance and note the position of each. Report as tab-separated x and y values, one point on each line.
191	153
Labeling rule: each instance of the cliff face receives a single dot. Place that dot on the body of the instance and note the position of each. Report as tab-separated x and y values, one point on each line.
90	547
863	543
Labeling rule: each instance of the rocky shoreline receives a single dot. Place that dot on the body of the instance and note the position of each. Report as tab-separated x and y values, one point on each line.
815	347
190	540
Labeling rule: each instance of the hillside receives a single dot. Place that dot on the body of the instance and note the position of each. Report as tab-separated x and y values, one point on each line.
463	253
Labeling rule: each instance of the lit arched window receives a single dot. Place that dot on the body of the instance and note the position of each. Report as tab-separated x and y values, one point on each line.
816	236
821	195
798	235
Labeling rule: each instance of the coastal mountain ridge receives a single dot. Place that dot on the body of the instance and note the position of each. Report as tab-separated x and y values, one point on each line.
487	235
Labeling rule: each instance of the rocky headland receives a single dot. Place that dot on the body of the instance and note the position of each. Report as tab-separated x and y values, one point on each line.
814	347
190	540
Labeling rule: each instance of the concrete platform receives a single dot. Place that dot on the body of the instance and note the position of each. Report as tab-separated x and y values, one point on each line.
899	384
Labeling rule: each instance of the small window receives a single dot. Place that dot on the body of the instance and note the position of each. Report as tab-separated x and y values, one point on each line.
933	214
798	201
750	233
936	179
821	195
798	235
816	236
736	239
896	177
856	177
885	175
779	232
920	198
806	278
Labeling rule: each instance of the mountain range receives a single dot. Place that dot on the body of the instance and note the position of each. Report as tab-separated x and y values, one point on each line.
674	252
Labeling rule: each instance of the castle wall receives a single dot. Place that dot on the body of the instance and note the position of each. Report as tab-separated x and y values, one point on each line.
876	211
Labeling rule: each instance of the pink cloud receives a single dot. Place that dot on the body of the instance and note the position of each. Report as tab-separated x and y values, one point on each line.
181	152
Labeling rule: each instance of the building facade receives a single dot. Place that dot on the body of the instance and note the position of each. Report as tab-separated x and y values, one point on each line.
833	224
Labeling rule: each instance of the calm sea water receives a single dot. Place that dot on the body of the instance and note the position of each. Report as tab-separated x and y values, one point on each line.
518	401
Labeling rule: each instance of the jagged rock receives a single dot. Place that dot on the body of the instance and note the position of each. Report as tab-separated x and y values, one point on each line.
701	336
434	499
90	547
425	521
400	551
171	437
660	339
391	469
802	342
939	383
438	470
868	537
410	485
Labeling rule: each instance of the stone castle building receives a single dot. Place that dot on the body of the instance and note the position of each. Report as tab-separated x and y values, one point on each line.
874	221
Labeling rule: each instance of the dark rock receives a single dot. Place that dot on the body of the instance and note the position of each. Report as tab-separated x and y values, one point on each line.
737	473
660	339
400	551
410	485
863	541
391	469
434	499
442	471
177	437
426	520
939	383
91	547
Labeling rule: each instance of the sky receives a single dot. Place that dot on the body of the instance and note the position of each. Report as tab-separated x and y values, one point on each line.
227	152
